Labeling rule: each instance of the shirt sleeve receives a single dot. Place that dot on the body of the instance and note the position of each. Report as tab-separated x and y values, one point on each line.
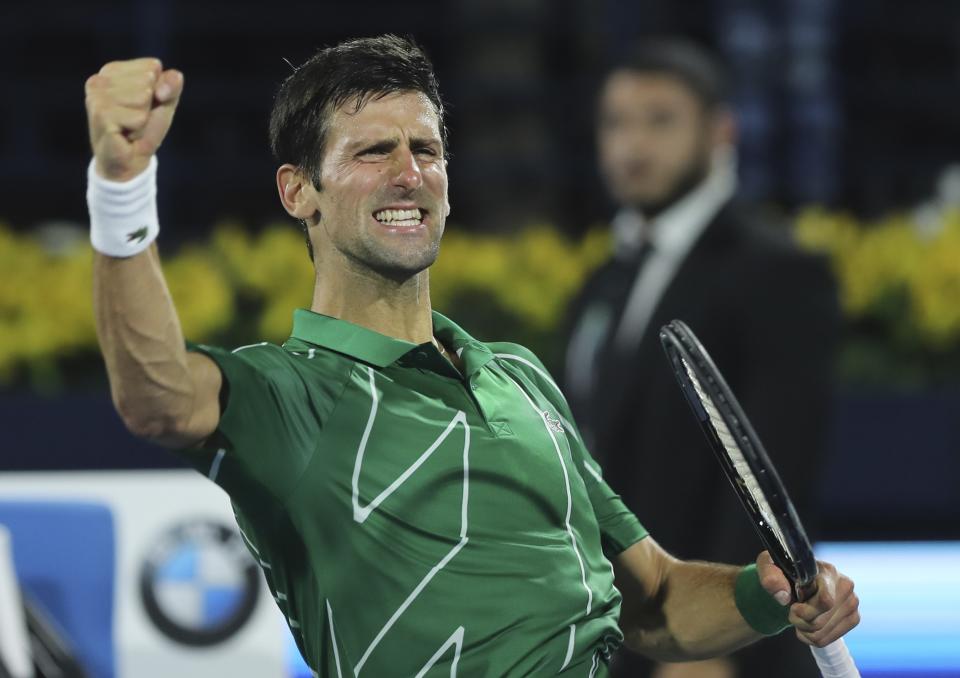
619	527
266	433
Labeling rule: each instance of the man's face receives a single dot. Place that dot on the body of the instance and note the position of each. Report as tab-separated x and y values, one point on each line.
383	199
654	139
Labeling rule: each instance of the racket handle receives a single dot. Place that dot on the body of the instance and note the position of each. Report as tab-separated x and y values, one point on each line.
835	661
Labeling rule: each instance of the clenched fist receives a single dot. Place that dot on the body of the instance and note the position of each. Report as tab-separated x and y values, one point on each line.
130	105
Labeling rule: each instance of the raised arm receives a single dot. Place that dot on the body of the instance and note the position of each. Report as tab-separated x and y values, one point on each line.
162	392
676	610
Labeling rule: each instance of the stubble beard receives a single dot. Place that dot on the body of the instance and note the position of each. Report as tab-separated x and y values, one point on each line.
398	263
692	176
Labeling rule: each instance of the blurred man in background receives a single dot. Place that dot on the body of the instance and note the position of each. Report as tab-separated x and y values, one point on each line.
766	312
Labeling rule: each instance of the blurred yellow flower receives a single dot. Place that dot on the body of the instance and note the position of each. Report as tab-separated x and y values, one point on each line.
272	269
894	271
935	287
201	293
43	318
903	277
532	273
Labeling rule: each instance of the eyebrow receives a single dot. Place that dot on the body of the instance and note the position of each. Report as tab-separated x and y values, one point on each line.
387	145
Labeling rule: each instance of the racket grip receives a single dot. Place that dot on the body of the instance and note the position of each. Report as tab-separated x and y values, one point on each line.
835	661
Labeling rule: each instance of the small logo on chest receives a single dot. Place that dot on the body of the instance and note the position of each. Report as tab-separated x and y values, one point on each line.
553	424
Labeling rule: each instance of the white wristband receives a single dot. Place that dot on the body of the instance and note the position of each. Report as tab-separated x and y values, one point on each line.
123	214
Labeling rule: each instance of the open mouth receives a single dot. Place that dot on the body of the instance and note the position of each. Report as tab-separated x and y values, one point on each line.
400	218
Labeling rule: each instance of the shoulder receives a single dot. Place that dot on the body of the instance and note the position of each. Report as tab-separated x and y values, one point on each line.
275	406
515	357
754	229
262	354
265	356
254	363
751	229
521	356
764	267
261	357
292	373
763	240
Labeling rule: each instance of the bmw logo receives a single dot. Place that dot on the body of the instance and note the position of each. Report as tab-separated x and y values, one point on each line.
199	584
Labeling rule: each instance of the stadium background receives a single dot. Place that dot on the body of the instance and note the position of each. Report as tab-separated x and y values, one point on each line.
848	119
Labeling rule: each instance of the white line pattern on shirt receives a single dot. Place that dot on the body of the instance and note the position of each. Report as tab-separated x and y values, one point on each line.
361	513
243	534
333	640
244	348
566	482
457	640
570	644
215	466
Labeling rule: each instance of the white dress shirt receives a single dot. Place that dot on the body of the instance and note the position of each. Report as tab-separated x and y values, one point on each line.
672	234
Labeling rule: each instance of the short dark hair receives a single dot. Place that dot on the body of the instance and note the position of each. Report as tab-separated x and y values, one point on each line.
357	70
701	72
352	71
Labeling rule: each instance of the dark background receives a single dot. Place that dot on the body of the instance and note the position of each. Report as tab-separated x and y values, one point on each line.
851	104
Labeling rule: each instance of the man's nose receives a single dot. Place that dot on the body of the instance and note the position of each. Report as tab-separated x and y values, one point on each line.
638	139
407	170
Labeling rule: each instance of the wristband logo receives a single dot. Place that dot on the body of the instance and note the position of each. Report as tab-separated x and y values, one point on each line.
198	584
137	235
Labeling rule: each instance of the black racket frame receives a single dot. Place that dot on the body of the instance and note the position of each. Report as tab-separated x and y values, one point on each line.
680	343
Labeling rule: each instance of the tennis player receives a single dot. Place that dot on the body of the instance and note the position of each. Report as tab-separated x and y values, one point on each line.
420	502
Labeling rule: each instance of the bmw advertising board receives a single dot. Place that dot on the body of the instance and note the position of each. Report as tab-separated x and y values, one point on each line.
198	583
188	600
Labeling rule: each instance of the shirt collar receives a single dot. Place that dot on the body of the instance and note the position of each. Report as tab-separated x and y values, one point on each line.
381	350
474	354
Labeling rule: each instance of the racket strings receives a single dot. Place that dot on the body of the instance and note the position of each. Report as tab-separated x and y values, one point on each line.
732	448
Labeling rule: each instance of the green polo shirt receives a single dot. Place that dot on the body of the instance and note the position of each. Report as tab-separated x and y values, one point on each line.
412	520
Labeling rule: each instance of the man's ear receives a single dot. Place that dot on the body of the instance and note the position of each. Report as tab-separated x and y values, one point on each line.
297	192
446	198
724	130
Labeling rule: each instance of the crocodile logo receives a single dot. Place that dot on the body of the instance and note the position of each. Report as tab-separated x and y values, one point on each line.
553	424
139	235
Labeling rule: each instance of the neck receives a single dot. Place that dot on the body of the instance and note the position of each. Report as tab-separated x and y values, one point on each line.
400	310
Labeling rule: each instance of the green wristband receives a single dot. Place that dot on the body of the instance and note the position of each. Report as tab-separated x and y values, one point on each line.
759	609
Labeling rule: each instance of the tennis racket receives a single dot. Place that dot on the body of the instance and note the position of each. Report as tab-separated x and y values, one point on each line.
747	466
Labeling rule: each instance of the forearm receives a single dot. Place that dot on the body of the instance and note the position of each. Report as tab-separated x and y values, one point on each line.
677	610
162	392
700	615
142	343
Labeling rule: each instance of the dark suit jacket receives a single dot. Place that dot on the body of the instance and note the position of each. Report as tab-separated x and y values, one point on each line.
766	312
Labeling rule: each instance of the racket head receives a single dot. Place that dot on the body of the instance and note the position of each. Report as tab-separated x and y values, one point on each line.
746	465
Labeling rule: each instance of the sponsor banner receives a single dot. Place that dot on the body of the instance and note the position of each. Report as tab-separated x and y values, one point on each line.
189	601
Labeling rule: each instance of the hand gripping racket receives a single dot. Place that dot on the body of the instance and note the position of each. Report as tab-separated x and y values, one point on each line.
754	478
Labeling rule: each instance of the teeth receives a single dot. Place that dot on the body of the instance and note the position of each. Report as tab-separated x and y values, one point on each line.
399	217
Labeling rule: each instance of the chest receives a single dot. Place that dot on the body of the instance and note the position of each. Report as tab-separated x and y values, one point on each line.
404	453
